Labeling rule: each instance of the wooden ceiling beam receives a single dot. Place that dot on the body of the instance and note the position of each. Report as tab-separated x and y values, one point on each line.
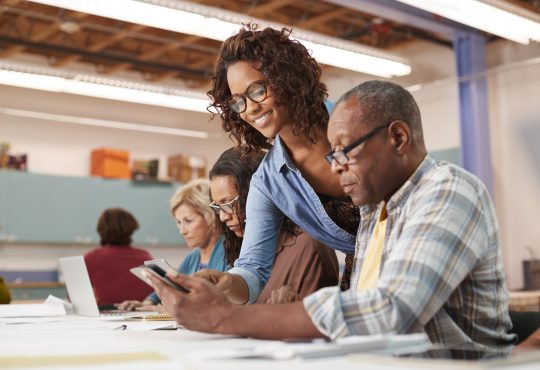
323	18
12	2
269	6
154	53
40	35
100	45
115	37
12	50
161	76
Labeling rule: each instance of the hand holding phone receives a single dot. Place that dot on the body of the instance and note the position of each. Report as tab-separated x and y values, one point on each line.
159	273
160	262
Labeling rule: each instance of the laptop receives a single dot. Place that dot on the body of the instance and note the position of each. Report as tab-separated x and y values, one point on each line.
80	291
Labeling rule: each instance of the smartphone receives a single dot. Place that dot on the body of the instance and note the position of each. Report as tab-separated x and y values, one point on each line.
159	273
160	262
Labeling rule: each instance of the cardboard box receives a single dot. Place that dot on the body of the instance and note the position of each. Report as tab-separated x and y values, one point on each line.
184	168
110	163
145	170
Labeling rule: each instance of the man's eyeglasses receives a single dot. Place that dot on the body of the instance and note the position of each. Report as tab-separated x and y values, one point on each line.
256	92
228	208
340	156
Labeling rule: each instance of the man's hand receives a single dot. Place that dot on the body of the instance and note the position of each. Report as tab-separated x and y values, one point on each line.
285	294
205	308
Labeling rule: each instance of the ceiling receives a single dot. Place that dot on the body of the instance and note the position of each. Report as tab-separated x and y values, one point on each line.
64	37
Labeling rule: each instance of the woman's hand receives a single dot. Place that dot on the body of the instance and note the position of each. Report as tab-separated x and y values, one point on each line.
233	286
222	280
285	294
132	305
129	305
159	308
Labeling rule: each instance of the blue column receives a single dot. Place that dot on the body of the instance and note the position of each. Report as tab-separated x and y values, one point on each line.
474	120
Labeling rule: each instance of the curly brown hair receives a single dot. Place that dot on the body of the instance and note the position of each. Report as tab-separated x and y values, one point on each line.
292	74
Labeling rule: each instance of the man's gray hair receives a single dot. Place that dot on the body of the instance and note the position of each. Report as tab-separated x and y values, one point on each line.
383	102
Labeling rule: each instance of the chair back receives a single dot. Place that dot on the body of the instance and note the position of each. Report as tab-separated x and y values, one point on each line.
524	323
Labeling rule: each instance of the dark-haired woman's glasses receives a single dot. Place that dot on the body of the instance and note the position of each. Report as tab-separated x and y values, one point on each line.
228	208
256	92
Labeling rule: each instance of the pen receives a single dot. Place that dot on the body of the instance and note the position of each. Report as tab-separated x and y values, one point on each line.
121	327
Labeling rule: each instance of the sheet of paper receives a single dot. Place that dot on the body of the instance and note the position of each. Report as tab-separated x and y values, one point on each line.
387	344
28	320
32	310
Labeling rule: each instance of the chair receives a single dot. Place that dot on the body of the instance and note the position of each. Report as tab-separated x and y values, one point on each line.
524	323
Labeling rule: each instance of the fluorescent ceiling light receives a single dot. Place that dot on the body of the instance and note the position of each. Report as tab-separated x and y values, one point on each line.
494	16
104	123
49	79
219	24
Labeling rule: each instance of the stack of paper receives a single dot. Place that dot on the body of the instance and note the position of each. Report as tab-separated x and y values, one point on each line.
373	344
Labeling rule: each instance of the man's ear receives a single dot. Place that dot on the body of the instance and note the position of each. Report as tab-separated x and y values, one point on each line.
400	136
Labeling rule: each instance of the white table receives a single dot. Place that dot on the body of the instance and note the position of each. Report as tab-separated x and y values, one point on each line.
77	342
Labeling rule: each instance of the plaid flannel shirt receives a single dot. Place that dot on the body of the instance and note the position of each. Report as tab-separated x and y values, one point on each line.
441	269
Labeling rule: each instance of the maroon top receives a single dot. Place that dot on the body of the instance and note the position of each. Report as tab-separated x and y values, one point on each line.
302	263
108	267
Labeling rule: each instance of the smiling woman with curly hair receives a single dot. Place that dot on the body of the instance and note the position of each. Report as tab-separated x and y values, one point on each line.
268	92
293	76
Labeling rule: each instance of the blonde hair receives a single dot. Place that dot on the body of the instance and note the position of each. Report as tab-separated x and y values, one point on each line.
195	194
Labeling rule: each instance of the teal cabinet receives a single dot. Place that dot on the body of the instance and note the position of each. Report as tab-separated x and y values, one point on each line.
25	207
58	209
68	211
3	209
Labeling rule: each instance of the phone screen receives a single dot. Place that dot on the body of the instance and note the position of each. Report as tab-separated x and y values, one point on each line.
159	273
159	262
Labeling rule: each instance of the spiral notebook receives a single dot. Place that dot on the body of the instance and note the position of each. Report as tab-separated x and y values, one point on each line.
153	317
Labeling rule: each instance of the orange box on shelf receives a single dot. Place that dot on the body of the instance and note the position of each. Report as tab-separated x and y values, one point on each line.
111	163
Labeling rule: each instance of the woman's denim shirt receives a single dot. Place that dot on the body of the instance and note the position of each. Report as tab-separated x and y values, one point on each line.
277	188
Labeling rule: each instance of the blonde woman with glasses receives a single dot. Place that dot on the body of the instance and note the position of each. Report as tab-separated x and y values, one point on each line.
197	225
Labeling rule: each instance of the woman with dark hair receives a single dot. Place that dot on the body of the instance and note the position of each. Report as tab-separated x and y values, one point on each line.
301	265
268	91
109	265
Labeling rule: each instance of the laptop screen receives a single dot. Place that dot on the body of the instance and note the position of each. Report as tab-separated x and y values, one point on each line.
78	286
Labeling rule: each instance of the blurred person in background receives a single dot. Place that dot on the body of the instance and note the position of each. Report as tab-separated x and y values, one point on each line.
108	266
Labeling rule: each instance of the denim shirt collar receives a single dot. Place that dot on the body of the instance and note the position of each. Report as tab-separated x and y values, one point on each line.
282	158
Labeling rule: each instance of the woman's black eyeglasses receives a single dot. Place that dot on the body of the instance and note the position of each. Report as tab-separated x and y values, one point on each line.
228	208
256	92
340	156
